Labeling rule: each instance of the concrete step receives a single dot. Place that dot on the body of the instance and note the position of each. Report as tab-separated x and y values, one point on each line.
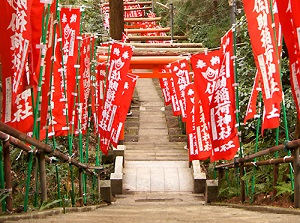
157	176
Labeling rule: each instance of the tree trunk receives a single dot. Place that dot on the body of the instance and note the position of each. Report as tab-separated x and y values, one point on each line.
116	15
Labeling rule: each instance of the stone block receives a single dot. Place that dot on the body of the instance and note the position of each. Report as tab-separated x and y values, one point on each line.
199	183
119	151
199	178
211	191
116	180
119	164
105	191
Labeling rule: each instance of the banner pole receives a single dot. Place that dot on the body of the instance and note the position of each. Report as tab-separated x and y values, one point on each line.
67	116
36	125
287	138
49	104
2	176
256	147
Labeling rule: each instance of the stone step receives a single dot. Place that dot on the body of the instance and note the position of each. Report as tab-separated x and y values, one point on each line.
132	145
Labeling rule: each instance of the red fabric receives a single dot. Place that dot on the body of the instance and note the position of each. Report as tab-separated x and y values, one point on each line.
46	121
223	124
97	84
251	108
199	142
64	78
288	11
121	114
180	73
164	85
264	50
119	63
15	34
85	83
174	98
36	28
206	68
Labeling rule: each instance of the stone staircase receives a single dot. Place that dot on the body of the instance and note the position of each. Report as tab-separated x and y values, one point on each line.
154	164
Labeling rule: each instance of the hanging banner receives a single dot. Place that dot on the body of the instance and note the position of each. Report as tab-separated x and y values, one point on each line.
65	65
251	108
206	68
97	82
164	85
222	112
43	54
288	11
122	110
180	73
15	34
199	142
85	82
264	49
174	98
119	63
133	13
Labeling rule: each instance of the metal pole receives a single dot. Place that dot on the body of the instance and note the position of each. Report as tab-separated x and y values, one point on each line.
171	21
296	178
7	174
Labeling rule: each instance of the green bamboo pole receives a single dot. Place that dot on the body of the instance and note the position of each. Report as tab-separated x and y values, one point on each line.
81	158
2	185
49	105
67	122
36	125
36	194
256	147
287	138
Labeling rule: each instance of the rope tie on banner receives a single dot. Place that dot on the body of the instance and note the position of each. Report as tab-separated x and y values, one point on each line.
284	158
18	157
6	139
254	164
51	159
69	159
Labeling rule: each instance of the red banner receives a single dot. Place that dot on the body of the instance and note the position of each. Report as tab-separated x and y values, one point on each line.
46	65
222	112
180	73
121	114
174	99
164	85
85	83
264	49
206	68
97	82
64	89
119	63
288	11
251	108
15	34
199	142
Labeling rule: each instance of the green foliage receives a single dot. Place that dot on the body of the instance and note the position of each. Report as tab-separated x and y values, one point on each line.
284	188
46	205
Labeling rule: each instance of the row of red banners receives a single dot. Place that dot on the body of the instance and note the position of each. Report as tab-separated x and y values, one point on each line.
207	105
57	72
